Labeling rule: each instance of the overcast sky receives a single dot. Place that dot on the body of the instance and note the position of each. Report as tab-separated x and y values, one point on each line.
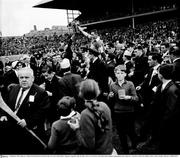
18	17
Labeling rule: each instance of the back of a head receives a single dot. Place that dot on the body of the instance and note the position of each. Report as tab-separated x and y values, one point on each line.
93	52
166	71
89	89
174	50
65	105
127	53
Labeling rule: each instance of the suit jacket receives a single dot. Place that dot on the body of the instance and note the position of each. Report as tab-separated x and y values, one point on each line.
55	88
33	112
39	79
166	104
141	68
110	69
98	72
147	86
166	112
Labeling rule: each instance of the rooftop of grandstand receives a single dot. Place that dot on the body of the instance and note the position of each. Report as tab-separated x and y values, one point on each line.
104	5
106	11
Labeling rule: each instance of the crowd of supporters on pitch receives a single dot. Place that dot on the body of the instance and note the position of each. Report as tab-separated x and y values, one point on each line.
137	54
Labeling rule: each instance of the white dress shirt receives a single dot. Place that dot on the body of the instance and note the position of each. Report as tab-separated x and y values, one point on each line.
23	97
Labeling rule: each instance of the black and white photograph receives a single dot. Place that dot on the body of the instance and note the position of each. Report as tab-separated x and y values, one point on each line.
89	78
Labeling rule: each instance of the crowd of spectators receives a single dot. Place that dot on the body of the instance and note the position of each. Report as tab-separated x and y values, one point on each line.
116	73
24	44
159	31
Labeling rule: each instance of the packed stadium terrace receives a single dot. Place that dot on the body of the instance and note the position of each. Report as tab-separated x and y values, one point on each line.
159	31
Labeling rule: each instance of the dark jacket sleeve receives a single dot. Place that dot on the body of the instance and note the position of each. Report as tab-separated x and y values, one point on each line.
68	54
39	111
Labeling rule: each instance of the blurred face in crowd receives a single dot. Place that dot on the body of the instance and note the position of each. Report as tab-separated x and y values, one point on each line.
167	59
124	58
151	62
90	56
26	77
163	49
54	59
7	60
7	68
119	50
58	58
26	60
19	66
38	55
157	49
120	75
138	52
49	62
74	55
48	76
173	52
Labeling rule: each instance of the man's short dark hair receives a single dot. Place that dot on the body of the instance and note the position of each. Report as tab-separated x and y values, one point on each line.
174	50
48	69
166	71
94	52
156	56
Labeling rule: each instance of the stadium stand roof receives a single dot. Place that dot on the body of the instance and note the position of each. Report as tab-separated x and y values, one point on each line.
97	5
113	9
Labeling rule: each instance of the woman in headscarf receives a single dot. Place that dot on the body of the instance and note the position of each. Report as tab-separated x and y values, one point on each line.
94	130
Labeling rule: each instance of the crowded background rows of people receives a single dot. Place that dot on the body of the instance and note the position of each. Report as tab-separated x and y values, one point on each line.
129	65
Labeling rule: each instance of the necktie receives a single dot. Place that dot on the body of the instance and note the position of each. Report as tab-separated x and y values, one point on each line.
151	76
19	101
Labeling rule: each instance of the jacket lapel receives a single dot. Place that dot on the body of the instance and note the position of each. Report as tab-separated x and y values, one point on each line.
14	97
26	99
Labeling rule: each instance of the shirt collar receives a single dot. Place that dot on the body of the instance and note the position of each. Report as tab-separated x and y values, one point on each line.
176	59
165	84
95	59
126	61
156	67
122	82
25	90
69	116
